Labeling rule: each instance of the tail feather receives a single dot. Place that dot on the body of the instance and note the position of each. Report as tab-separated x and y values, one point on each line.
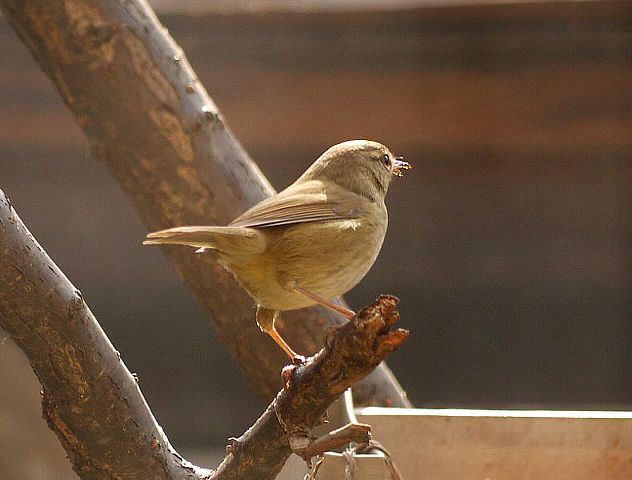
202	237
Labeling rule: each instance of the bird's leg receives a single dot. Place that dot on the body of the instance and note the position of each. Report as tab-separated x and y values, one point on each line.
265	320
283	344
345	312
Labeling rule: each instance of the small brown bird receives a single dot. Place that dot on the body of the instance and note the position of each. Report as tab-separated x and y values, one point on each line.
309	243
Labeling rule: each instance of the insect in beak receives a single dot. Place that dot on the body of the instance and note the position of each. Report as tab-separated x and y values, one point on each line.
399	164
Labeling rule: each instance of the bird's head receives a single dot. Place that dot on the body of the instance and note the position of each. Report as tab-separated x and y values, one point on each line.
361	166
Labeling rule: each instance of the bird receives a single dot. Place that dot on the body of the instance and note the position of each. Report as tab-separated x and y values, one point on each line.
309	243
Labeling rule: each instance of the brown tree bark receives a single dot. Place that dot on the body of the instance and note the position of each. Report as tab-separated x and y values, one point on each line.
89	397
149	120
93	404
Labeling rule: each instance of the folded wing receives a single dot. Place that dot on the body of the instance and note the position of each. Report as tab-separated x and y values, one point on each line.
308	201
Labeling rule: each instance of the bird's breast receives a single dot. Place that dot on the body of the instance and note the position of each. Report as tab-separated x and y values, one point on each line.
327	258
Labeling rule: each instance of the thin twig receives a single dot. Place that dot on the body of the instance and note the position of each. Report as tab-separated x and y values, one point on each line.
351	433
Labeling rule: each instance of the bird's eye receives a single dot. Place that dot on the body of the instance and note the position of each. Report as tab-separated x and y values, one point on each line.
386	160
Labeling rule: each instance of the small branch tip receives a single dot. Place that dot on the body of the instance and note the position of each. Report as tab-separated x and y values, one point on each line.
350	433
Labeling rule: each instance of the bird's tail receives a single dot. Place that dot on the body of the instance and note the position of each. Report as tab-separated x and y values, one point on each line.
202	238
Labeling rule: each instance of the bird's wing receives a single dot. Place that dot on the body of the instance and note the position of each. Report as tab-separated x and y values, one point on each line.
307	201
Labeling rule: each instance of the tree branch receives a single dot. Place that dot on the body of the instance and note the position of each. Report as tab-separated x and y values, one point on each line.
350	433
355	350
151	122
93	404
89	398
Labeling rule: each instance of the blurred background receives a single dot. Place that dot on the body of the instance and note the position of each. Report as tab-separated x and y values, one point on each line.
509	243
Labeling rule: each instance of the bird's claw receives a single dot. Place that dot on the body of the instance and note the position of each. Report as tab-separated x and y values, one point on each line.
288	370
298	360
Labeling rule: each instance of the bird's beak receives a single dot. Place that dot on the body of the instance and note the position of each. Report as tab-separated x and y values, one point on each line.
399	164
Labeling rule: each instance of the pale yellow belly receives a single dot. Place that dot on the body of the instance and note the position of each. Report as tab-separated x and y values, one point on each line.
327	258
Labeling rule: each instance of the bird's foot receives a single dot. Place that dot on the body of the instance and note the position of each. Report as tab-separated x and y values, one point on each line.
298	360
288	370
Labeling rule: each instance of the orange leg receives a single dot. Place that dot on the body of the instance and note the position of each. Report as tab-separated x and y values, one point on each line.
282	343
265	320
345	312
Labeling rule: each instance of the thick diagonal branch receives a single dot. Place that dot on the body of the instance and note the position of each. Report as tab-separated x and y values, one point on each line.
90	399
149	120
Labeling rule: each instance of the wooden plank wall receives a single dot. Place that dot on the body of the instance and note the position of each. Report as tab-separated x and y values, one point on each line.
509	242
